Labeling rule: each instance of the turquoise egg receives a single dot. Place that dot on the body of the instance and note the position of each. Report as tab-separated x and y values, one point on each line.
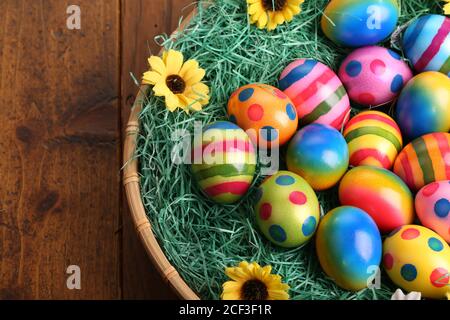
358	23
426	43
319	154
349	247
224	164
287	209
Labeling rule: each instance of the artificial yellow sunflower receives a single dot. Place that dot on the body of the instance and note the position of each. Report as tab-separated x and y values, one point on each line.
178	81
447	7
250	281
271	13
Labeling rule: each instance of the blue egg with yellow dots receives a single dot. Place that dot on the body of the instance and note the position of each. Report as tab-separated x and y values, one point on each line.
349	247
319	154
358	23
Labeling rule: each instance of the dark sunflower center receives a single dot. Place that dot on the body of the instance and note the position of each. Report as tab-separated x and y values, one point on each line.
274	5
254	290
176	84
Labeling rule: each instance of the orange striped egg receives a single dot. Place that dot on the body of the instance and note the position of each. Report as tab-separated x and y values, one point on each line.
373	139
425	160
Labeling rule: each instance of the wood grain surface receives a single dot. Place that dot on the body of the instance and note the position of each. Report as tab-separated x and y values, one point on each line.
64	96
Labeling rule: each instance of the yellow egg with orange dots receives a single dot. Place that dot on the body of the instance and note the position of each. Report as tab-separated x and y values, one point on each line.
265	113
418	259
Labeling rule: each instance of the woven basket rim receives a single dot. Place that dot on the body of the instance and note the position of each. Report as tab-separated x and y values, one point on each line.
131	183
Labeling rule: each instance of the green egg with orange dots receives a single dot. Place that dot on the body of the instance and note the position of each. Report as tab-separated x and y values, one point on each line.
287	210
265	113
418	259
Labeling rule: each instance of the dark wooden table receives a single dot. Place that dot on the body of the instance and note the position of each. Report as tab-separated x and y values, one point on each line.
65	96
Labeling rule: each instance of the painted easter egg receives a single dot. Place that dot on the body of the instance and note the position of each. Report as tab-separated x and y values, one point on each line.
265	113
349	247
426	43
287	210
317	93
418	259
425	160
433	207
319	154
374	75
224	165
358	23
424	105
380	193
373	139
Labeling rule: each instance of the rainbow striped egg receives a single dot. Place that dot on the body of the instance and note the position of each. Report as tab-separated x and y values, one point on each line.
319	154
374	75
349	247
373	139
224	165
358	23
433	207
317	93
424	105
287	209
426	43
425	160
380	193
418	259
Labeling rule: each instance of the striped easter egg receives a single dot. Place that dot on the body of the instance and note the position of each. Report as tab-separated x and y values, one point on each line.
426	43
425	160
317	93
373	139
224	163
380	193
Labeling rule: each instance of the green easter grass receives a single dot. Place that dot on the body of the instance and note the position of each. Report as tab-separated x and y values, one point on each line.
199	237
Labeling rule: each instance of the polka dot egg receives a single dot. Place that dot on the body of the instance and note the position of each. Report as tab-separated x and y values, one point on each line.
316	92
418	259
373	75
433	207
348	245
266	113
287	209
374	139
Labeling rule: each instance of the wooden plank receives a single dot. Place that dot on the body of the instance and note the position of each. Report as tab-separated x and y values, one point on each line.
142	20
59	150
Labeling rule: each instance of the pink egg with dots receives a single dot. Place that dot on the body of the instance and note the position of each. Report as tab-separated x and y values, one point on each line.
374	75
433	207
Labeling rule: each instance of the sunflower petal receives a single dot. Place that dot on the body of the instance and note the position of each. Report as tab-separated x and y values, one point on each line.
255	8
157	65
188	67
279	17
447	8
174	62
161	90
262	21
231	296
278	295
172	102
194	76
152	77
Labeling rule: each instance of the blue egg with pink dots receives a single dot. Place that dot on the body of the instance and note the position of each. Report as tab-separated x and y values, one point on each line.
349	247
287	210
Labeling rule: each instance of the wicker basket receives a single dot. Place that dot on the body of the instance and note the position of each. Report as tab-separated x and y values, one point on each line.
133	192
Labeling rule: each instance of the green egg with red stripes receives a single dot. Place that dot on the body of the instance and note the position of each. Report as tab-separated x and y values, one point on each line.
224	162
287	209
